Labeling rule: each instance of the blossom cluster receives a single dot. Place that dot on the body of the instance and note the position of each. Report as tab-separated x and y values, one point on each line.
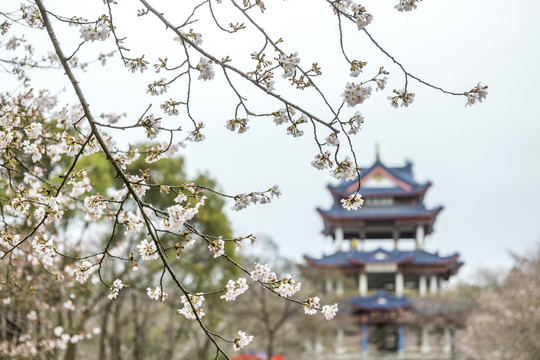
115	289
206	69
44	249
217	247
355	94
82	272
406	5
345	170
322	161
98	31
285	287
241	201
151	125
156	294
187	310
402	98
235	288
477	93
355	122
95	205
353	202
148	250
242	340
288	63
241	124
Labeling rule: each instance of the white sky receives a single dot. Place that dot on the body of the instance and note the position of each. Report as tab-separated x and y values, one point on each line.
482	160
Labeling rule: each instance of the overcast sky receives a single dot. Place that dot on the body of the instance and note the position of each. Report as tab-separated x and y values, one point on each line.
482	160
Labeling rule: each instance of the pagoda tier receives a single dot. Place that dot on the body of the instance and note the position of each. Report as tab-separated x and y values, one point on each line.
393	207
380	261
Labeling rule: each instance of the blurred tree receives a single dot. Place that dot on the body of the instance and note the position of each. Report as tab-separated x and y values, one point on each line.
505	324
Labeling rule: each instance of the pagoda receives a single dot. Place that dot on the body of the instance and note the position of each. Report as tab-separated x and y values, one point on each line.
379	250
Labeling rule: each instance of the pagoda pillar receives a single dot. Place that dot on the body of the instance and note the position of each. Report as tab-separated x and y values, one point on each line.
447	340
361	238
401	340
339	341
399	283
395	234
422	286
364	339
425	340
433	285
363	284
420	233
339	286
329	286
338	237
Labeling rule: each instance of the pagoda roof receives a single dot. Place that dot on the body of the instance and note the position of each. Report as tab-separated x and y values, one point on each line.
380	212
380	301
413	257
400	181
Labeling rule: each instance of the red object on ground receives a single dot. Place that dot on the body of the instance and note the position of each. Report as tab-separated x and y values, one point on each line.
255	357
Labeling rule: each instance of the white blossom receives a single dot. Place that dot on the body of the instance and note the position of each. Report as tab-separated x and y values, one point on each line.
477	93
332	139
288	63
311	305
34	130
322	161
217	247
355	122
263	273
402	98
355	94
82	272
148	250
406	5
44	249
235	288
329	311
206	69
157	294
242	340
115	289
187	310
95	206
353	202
98	31
345	170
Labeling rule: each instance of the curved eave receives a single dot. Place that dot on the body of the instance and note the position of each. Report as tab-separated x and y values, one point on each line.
430	214
405	261
446	262
371	308
316	263
398	194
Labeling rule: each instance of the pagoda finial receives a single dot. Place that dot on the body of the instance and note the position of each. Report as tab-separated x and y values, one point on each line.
376	152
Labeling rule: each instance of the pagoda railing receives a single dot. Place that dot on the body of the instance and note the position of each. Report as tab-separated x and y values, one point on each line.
357	354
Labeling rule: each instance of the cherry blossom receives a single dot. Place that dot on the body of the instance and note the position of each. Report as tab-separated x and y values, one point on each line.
157	294
148	250
329	311
311	305
353	202
477	93
187	310
235	288
217	247
356	94
98	31
206	69
115	289
242	340
82	272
